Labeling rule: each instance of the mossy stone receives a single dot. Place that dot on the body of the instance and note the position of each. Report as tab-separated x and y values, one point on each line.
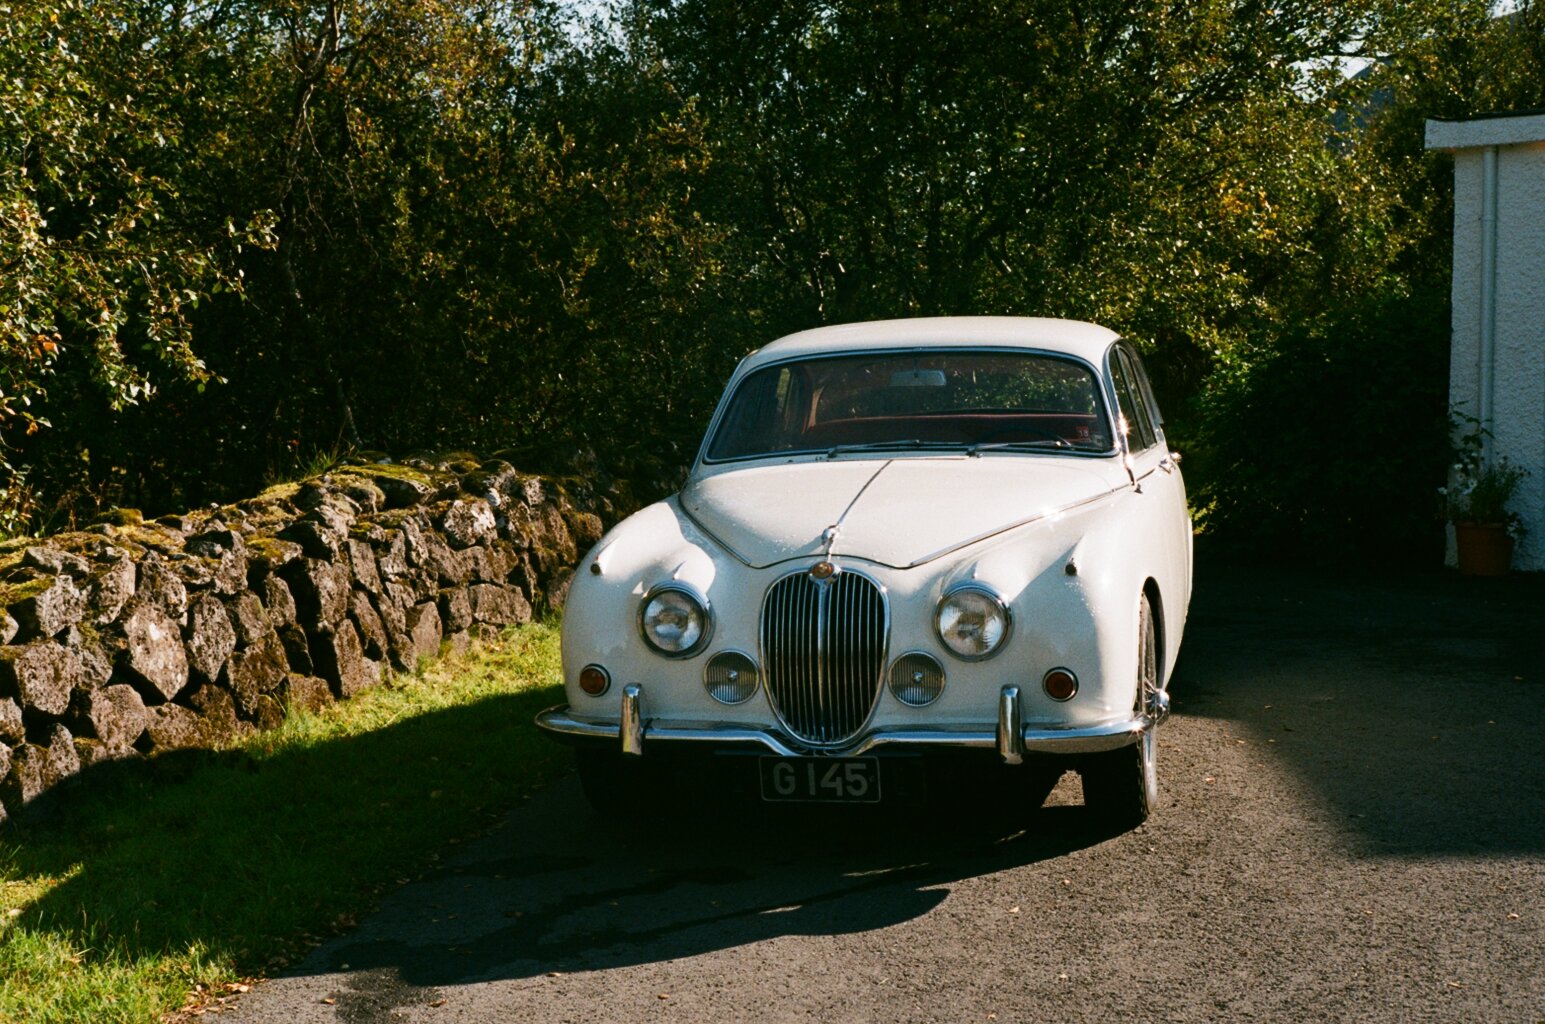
394	470
277	493
13	593
121	517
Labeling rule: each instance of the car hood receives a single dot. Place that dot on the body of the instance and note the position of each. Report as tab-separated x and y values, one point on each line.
898	512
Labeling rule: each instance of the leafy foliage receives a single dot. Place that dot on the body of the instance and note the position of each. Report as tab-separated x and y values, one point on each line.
239	231
97	256
1480	489
1330	439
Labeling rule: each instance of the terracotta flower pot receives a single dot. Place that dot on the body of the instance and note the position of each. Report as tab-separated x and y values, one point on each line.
1485	549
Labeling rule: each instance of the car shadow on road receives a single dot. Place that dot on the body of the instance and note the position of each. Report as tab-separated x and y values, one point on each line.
600	895
132	861
1405	702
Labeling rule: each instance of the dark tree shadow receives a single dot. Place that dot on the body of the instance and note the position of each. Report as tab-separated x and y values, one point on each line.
241	854
246	853
1405	699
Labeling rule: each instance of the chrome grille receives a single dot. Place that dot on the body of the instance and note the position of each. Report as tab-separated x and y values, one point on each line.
823	645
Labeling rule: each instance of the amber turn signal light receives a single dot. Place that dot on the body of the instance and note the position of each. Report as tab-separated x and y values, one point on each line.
1060	684
594	680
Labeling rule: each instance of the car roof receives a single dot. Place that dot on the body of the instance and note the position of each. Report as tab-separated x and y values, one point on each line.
1073	337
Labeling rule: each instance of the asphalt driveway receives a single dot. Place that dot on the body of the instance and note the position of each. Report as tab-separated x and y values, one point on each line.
1352	827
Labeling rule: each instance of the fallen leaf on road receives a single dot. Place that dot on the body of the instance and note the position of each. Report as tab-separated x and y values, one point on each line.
1015	910
438	1003
328	1001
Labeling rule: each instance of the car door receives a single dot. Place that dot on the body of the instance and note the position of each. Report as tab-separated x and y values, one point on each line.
1156	477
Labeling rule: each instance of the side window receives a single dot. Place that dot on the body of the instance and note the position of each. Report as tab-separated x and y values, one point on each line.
1140	375
1139	429
1142	397
761	414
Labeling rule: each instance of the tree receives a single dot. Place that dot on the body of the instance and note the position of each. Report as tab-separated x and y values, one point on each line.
1132	163
95	261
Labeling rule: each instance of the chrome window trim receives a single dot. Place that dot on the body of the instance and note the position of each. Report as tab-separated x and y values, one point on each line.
1147	385
980	588
1123	442
1101	382
702	602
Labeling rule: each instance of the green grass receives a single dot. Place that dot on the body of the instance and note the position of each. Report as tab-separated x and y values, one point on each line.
174	879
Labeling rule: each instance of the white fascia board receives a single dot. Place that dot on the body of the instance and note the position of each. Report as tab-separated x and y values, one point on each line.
1487	131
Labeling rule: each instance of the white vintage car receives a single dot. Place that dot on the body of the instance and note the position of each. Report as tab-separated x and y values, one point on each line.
904	547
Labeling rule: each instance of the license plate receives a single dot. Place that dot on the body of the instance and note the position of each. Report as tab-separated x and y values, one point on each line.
843	780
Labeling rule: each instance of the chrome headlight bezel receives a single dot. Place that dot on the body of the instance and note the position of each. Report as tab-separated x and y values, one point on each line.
696	601
995	603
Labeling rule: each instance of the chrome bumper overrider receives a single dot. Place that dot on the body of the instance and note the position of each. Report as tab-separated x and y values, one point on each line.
1008	735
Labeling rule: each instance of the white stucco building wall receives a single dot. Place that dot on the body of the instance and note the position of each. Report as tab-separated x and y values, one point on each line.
1497	361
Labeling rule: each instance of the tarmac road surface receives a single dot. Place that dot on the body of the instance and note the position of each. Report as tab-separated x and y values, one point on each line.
1351	828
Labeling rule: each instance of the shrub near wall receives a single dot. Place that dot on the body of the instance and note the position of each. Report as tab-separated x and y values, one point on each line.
137	637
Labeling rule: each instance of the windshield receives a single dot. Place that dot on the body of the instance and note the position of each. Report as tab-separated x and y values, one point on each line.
915	400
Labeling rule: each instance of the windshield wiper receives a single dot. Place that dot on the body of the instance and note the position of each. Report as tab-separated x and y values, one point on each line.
1010	446
911	444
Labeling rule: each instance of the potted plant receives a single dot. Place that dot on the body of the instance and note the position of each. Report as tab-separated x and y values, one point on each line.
1476	502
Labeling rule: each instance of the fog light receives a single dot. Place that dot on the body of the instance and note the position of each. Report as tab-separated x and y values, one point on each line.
594	680
730	677
1060	684
917	679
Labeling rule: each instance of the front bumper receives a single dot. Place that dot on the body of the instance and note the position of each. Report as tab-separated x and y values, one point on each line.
1009	735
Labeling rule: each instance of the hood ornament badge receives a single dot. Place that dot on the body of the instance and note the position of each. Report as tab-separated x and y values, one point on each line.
824	569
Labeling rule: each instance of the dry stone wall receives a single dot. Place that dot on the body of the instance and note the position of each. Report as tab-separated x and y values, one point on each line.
136	637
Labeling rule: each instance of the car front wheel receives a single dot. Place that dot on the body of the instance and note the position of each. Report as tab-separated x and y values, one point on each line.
1121	787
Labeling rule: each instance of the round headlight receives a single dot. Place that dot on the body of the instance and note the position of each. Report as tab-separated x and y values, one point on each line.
674	621
917	679
973	622
730	677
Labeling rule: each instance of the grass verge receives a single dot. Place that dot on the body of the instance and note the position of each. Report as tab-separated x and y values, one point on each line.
175	879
